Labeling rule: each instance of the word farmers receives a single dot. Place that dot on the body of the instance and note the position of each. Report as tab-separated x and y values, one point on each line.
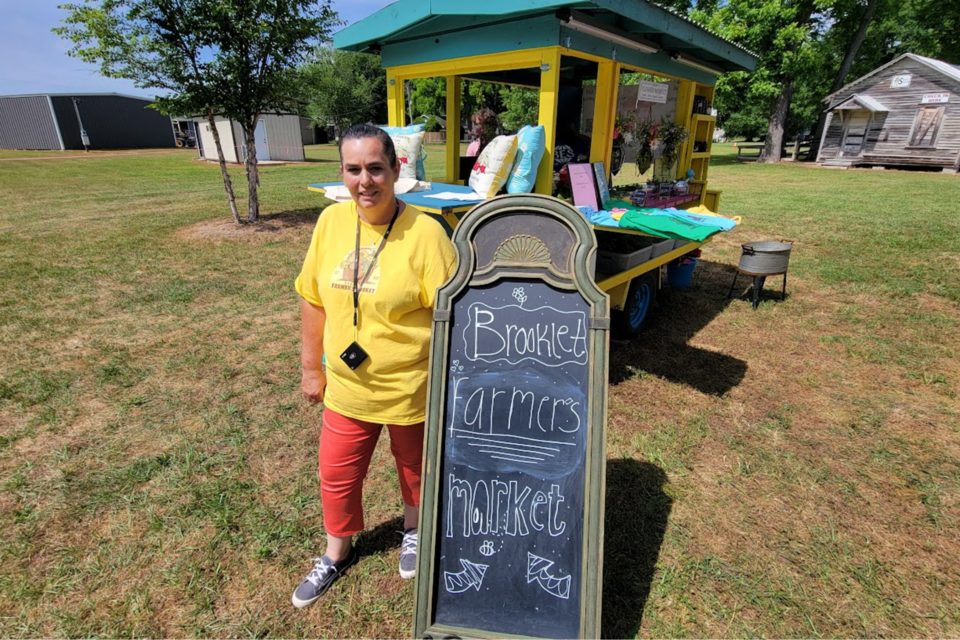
501	508
513	334
515	409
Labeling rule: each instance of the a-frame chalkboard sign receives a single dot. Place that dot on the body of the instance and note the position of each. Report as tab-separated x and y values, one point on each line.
511	522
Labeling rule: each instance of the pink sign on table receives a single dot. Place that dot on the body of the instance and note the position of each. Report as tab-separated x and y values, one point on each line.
583	183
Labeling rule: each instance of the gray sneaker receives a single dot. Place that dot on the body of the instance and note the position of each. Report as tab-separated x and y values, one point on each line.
324	574
408	554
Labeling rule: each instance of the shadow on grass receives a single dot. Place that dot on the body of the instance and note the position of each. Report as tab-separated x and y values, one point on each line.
724	160
637	510
281	220
381	538
662	349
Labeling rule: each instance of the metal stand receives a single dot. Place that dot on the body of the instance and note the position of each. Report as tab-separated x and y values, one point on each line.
758	282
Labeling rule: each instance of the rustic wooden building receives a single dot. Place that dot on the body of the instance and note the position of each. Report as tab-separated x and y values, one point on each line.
905	113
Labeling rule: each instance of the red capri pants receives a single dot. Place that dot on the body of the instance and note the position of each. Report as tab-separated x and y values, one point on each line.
346	447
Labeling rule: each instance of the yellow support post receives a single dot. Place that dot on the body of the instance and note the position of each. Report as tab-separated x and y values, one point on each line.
395	100
605	112
684	117
549	94
453	129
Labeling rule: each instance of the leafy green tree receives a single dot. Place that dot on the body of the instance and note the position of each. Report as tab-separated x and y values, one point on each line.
231	58
428	97
343	88
521	106
781	32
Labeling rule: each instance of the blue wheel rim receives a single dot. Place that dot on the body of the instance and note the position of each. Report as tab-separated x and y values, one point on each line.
640	306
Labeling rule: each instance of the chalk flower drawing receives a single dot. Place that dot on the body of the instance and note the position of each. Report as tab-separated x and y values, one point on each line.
520	295
471	576
538	571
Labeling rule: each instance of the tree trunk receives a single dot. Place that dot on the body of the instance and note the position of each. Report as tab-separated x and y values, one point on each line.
227	184
773	144
845	67
253	173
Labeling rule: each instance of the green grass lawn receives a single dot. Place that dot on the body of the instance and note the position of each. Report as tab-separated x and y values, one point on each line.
792	471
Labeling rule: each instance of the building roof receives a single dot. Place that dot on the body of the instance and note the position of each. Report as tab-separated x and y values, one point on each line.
864	102
77	95
947	69
408	21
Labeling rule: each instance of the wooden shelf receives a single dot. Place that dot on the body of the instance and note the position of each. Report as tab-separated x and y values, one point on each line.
700	154
704	117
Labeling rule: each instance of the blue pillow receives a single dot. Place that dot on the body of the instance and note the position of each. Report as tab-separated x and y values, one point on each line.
406	131
531	144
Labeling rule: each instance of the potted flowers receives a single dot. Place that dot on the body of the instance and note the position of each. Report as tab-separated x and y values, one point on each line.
667	137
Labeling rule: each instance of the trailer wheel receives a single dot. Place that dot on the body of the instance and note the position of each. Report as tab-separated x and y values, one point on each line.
640	301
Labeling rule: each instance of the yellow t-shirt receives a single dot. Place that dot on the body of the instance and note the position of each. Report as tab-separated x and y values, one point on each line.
396	309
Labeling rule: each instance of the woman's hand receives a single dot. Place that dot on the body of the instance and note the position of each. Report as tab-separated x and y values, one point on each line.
313	384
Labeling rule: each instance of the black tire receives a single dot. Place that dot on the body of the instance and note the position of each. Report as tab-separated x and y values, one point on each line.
640	302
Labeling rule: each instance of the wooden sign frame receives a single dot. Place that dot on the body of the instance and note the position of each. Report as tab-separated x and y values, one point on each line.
493	242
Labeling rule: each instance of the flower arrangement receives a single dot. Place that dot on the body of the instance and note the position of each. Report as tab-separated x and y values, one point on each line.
672	137
625	124
666	135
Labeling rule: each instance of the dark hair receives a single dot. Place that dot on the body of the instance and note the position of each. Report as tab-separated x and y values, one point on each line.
360	131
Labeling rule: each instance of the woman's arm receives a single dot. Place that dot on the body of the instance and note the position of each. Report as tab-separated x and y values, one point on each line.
313	382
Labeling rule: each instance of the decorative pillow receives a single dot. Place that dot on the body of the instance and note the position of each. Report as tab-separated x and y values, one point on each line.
493	166
531	143
408	153
406	131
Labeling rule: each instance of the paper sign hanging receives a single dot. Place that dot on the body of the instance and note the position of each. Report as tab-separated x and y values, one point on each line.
652	92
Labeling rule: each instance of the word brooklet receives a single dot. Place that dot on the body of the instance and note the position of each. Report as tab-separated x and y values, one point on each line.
546	335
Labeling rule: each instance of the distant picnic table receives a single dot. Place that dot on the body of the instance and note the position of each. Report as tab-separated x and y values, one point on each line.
750	151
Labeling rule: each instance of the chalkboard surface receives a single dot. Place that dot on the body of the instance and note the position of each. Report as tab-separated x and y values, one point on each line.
512	493
511	518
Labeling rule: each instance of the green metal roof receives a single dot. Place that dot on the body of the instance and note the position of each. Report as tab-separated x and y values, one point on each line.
417	31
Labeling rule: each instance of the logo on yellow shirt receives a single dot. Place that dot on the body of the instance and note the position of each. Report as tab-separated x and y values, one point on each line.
343	275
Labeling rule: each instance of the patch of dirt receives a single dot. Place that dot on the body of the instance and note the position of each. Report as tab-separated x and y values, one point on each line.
271	228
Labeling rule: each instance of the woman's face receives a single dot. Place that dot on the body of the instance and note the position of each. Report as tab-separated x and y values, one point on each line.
367	172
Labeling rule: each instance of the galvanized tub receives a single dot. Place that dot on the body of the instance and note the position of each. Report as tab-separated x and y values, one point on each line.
765	258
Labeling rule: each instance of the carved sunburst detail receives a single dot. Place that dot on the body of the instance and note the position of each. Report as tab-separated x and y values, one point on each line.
523	249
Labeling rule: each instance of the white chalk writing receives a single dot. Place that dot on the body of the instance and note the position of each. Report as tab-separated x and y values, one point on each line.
512	334
501	508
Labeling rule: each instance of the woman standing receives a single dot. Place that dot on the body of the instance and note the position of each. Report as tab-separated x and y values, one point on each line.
368	285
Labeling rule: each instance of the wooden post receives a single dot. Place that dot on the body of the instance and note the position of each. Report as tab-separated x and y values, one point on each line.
684	117
453	129
605	112
395	100
549	94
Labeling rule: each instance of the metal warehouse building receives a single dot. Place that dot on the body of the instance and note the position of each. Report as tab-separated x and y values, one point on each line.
55	121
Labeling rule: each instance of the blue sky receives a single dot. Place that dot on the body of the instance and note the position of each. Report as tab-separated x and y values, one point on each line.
34	60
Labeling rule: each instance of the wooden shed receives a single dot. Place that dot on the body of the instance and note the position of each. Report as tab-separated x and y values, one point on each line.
278	137
905	113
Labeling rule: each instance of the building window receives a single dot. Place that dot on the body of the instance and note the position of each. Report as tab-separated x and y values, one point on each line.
926	126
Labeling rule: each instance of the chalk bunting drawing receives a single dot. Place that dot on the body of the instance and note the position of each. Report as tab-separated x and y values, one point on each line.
538	570
471	576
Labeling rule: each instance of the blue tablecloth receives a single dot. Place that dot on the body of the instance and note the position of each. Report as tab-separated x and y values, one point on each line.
418	199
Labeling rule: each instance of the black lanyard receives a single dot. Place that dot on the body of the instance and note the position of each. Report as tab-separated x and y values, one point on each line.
356	264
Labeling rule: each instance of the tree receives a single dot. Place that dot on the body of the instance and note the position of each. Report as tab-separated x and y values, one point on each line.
428	97
232	58
343	88
781	32
521	106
